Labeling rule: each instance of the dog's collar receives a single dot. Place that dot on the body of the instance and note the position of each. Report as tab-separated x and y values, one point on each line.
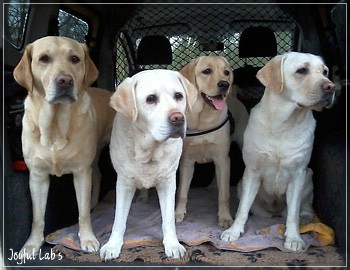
228	118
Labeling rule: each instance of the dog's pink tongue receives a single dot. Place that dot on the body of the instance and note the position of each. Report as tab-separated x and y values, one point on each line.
218	102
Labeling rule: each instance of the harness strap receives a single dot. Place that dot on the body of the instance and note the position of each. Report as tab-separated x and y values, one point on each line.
228	118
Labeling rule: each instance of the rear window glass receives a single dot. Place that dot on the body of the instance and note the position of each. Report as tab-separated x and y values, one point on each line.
15	20
72	26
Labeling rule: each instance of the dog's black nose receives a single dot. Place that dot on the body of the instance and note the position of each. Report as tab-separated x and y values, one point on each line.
223	86
64	81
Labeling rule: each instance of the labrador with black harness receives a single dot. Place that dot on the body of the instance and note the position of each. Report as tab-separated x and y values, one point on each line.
208	134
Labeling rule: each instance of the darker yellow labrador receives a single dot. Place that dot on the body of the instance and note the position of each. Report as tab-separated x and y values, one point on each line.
64	126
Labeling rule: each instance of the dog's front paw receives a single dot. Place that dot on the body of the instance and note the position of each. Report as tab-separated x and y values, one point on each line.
294	243
174	250
29	251
179	215
31	247
225	221
110	251
89	244
231	234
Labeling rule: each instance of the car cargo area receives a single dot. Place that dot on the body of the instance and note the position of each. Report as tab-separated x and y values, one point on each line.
124	39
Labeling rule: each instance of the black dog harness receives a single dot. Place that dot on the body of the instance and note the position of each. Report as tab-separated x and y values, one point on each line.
228	118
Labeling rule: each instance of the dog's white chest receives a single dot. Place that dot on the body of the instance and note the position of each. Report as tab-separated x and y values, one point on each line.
150	174
204	147
279	161
275	175
51	164
146	168
201	149
57	161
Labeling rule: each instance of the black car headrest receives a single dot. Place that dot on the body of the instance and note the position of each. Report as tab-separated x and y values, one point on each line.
257	42
154	49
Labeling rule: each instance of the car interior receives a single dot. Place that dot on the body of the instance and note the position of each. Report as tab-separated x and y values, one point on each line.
126	38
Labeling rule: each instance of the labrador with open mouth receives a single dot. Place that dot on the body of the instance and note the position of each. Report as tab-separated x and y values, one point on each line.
146	145
208	131
65	125
278	143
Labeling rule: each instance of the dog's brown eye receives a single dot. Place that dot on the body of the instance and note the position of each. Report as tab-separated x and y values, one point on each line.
178	96
325	72
302	71
152	99
74	59
207	71
44	58
227	73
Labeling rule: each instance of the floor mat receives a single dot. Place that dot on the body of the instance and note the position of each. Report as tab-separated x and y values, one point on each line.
207	255
199	231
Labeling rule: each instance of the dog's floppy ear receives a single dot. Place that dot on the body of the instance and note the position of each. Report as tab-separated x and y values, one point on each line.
271	75
91	71
190	89
188	71
23	71
124	101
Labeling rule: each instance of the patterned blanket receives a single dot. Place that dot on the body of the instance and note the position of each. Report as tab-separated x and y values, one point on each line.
200	226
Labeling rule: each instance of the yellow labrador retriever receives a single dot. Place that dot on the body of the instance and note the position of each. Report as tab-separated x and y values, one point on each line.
146	145
64	125
278	143
208	135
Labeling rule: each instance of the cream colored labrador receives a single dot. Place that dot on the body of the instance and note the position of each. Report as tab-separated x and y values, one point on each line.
146	145
65	124
278	143
208	135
